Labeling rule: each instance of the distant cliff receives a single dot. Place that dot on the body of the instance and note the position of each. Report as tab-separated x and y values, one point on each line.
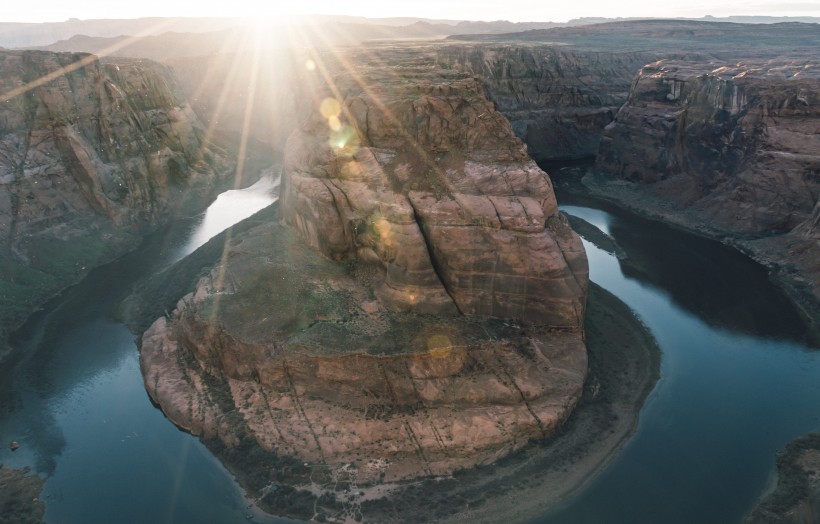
558	101
93	154
736	145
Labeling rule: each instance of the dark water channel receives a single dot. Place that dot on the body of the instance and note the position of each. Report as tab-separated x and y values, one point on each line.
73	397
738	382
738	379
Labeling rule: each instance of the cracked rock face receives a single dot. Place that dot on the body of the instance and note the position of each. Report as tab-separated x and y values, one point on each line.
419	303
436	188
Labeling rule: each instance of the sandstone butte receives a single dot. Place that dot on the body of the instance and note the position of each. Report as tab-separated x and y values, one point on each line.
418	306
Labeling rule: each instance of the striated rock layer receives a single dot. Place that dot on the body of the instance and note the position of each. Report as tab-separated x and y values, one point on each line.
736	145
419	307
92	154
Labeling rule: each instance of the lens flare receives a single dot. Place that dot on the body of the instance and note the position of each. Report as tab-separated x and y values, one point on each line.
330	108
334	123
439	345
344	140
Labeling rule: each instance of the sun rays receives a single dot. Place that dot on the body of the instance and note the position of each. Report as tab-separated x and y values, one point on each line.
246	85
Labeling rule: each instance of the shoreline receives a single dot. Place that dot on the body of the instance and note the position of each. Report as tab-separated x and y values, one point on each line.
20	496
585	182
795	496
624	368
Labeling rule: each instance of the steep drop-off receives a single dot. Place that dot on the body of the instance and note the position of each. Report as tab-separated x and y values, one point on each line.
419	308
734	147
92	155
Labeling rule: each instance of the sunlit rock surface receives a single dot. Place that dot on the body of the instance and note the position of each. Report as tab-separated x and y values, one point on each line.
419	307
92	155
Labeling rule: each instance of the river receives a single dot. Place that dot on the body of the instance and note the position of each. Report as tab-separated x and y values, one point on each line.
73	396
737	383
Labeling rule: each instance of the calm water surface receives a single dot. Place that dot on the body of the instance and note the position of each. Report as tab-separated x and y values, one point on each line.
737	383
73	397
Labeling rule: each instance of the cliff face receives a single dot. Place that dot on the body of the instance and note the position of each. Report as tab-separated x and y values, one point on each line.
742	141
92	154
419	309
735	145
558	101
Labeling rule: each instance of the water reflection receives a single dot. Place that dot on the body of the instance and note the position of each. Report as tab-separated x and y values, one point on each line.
229	208
731	392
711	280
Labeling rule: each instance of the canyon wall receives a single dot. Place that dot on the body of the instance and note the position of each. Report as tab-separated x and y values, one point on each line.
558	100
417	308
735	145
93	154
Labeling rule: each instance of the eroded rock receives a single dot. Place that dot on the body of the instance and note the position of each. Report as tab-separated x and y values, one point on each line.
420	304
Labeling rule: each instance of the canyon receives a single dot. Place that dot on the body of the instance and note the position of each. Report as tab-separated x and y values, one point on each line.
731	150
413	307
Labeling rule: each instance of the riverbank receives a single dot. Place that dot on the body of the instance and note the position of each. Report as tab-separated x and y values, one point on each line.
26	289
796	497
20	496
791	278
624	361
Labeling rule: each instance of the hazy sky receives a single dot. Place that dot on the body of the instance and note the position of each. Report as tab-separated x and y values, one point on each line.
515	10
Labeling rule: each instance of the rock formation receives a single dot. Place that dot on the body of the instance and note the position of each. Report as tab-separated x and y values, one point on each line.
796	498
558	100
736	145
92	154
419	307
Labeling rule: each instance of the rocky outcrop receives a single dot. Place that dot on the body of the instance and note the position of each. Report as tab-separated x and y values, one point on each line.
428	180
558	101
92	155
736	145
419	307
20	491
796	498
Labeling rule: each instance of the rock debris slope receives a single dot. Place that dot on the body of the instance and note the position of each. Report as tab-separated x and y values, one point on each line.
417	309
